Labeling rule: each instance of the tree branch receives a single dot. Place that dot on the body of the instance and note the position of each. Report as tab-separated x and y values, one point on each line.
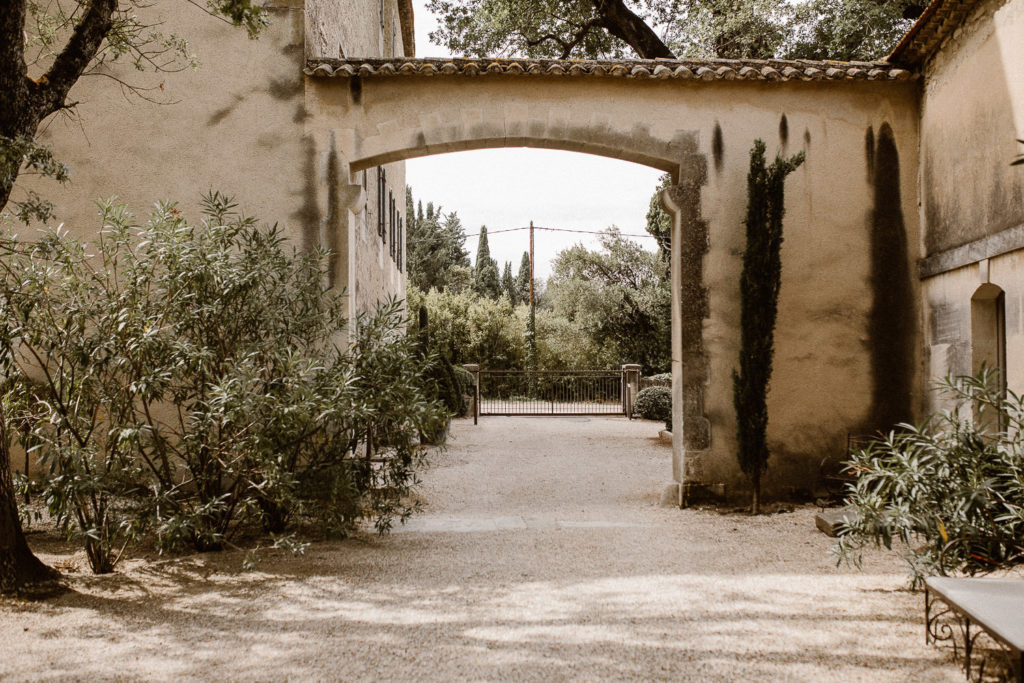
83	45
568	45
622	23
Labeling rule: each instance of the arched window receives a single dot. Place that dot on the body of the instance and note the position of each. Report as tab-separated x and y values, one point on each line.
988	334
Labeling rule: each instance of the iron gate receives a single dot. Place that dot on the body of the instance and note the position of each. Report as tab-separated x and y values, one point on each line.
556	392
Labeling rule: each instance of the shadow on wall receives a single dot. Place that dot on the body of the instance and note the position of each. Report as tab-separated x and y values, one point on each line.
891	324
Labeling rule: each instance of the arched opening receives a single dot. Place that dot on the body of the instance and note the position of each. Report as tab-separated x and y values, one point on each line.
988	341
572	200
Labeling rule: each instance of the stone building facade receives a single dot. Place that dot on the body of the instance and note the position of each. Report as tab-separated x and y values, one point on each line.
240	124
971	266
904	246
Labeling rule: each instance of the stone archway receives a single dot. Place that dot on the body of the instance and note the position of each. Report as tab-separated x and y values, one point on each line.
695	120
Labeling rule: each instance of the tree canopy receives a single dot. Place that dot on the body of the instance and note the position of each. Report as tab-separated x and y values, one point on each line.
619	297
434	245
649	29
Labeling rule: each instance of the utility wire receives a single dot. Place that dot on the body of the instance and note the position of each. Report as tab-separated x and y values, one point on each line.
537	227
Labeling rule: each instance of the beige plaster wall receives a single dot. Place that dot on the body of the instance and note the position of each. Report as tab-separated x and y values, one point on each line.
972	199
972	112
234	124
238	124
823	382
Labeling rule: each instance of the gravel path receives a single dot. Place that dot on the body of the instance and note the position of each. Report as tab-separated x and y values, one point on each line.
542	555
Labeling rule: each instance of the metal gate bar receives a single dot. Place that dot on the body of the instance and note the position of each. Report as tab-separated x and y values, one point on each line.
552	392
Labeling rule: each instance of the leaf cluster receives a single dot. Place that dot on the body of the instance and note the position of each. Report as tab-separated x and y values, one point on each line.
950	490
654	403
183	381
619	297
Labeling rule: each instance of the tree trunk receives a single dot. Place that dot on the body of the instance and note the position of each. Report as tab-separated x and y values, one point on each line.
20	570
622	23
25	102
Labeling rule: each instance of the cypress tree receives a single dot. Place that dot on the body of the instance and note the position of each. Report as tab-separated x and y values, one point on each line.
759	299
523	279
487	279
508	284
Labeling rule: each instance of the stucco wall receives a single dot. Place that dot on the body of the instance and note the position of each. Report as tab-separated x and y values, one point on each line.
972	199
353	28
851	229
841	264
972	112
239	124
233	124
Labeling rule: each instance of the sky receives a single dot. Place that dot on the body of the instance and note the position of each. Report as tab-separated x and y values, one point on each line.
507	188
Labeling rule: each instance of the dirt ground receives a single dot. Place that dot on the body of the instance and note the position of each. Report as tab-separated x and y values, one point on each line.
542	555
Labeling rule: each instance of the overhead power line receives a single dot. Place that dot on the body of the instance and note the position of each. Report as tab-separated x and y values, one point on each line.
537	227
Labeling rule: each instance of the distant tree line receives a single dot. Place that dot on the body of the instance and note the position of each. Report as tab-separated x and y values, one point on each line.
598	309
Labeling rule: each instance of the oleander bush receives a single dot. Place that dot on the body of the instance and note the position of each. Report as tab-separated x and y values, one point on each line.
181	382
950	491
654	403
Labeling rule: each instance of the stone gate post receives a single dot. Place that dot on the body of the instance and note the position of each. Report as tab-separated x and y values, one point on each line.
630	387
474	369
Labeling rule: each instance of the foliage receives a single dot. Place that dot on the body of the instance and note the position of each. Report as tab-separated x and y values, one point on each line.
951	490
523	280
467	328
659	223
466	386
654	403
26	156
759	297
849	29
508	284
529	28
619	297
693	29
187	380
439	378
564	344
434	245
486	280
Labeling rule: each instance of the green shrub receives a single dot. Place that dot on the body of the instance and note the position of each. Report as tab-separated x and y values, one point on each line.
661	377
654	403
466	386
951	490
189	380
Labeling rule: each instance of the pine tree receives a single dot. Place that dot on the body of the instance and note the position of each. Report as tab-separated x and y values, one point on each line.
433	248
455	241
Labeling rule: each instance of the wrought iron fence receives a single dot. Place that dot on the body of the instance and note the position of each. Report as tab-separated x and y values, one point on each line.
576	392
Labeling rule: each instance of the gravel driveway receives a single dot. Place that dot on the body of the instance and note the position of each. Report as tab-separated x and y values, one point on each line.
542	555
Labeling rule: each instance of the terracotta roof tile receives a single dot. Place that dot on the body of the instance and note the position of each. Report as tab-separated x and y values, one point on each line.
684	70
938	20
